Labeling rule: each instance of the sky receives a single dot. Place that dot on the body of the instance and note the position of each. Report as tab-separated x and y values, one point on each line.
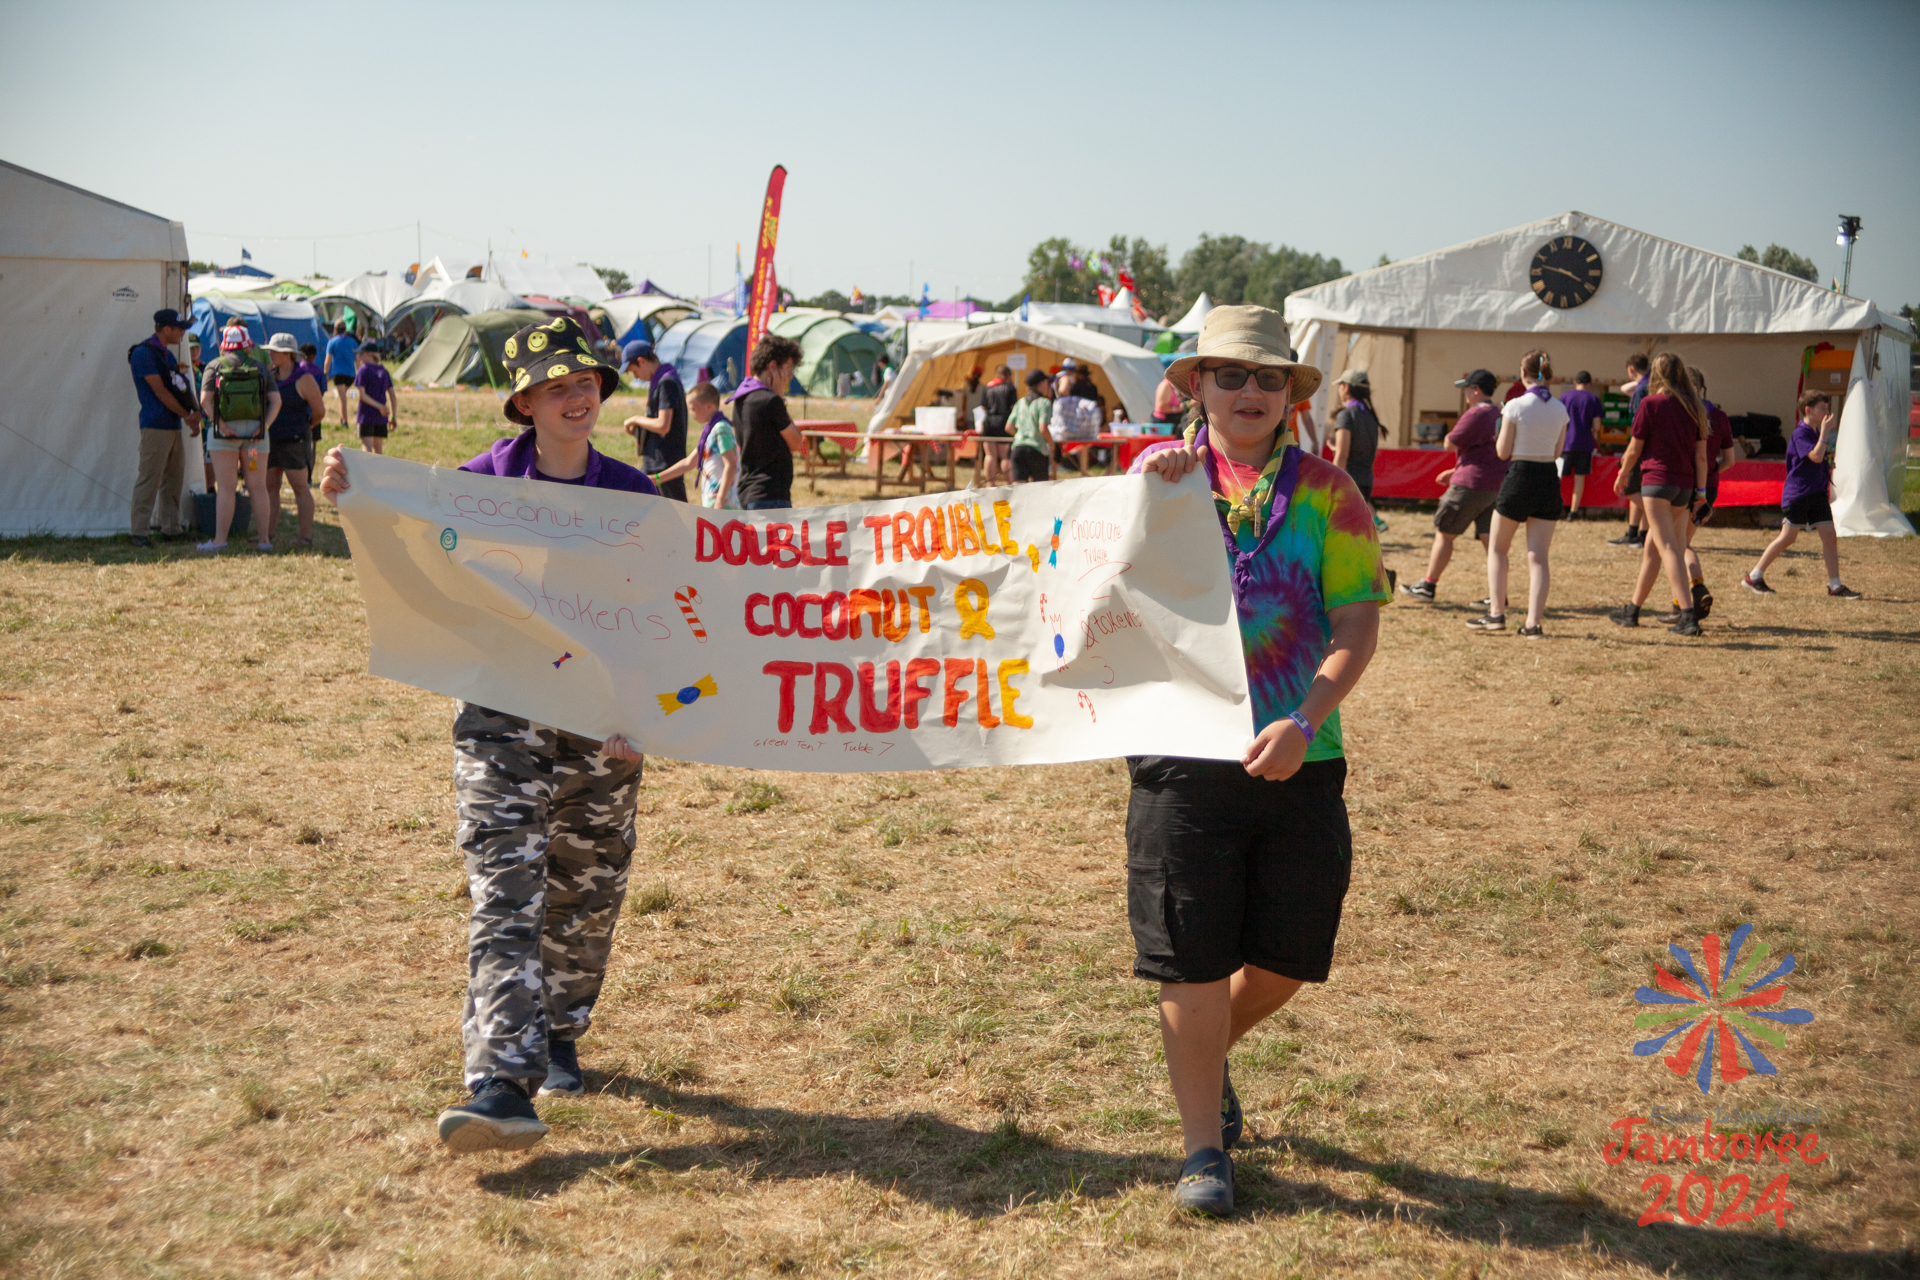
937	144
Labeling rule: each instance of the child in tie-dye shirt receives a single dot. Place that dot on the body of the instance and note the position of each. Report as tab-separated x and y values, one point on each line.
1236	870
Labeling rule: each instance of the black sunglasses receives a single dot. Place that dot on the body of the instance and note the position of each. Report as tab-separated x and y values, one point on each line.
1232	377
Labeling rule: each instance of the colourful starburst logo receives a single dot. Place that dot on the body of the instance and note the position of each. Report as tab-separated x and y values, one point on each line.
1718	1011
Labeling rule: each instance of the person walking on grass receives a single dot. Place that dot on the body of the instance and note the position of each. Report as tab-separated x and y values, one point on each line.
1583	410
166	404
1533	432
661	432
1638	367
1806	497
1236	871
1357	433
1720	454
717	455
768	438
1032	435
545	816
379	400
307	365
1473	482
343	353
1669	453
241	400
290	441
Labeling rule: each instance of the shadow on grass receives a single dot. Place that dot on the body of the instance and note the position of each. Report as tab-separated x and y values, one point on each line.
980	1173
329	542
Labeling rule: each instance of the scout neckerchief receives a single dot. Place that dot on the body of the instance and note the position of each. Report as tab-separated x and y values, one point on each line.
1266	506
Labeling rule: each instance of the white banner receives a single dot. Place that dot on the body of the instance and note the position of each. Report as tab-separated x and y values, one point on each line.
1052	622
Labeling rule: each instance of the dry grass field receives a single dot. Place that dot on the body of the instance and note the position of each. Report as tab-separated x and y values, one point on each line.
886	1025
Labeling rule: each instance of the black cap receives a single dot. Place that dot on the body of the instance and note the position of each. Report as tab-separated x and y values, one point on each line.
542	352
167	316
1479	378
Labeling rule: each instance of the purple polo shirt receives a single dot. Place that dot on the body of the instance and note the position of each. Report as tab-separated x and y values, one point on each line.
514	456
1804	475
1583	410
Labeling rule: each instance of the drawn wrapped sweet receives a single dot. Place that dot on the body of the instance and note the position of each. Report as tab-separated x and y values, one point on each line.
704	687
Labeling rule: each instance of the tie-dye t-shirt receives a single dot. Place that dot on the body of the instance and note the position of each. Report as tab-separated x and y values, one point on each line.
1324	555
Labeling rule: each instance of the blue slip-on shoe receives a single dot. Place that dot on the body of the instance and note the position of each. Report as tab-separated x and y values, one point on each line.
1206	1184
499	1117
563	1070
1232	1119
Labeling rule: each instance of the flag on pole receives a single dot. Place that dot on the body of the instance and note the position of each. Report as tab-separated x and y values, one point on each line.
245	256
766	288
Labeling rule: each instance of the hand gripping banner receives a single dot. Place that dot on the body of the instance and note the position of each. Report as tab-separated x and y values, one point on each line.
1051	622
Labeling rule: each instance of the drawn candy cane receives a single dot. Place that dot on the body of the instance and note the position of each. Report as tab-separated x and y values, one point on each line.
1087	702
687	598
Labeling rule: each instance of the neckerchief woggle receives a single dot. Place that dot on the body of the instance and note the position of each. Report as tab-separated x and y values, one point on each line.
1265	504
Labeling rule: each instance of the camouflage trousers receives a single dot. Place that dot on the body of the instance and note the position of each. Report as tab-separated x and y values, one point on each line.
546	826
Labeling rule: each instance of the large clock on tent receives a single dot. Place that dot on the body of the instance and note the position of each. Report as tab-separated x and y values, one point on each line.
1566	272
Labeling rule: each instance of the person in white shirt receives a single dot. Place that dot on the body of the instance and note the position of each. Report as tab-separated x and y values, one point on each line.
1533	427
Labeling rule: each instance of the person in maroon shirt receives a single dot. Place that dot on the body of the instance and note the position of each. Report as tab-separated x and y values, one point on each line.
1473	482
1669	446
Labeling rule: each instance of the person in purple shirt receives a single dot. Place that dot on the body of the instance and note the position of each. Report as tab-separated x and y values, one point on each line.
379	404
1583	410
1804	502
545	816
1473	481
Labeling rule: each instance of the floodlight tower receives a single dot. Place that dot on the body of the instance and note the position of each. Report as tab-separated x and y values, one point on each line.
1849	233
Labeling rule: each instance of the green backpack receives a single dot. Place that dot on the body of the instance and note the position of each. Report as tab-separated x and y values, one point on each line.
240	393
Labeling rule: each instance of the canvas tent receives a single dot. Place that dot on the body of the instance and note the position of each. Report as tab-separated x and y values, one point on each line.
696	343
635	315
263	317
1195	317
1124	373
413	319
1122	325
466	349
830	345
80	279
372	297
1421	323
550	280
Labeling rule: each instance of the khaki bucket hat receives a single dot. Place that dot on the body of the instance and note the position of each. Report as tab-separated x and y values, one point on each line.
1255	335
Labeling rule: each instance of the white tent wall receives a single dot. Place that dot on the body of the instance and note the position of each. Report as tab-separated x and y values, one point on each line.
80	279
551	280
1873	437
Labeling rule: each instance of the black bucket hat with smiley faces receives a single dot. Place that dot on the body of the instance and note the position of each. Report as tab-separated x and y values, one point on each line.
542	352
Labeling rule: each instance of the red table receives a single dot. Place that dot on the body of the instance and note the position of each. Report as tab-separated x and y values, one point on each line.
1409	473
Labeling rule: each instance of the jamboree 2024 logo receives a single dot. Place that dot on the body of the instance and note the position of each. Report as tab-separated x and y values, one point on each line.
1719	1013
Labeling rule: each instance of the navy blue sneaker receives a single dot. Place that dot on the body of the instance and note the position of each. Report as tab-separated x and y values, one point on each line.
563	1070
1206	1184
1232	1119
499	1117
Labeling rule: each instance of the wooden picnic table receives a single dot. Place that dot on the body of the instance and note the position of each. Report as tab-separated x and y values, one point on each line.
815	431
910	442
1125	448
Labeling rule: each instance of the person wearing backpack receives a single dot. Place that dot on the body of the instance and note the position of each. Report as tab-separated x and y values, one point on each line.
240	399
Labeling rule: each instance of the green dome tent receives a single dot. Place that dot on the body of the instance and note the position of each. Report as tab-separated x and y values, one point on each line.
830	345
466	349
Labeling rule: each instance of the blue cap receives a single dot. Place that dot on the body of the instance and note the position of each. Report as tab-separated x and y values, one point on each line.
638	349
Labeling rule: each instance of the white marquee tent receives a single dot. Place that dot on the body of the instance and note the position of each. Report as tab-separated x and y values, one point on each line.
80	279
550	280
1421	323
1196	315
1125	374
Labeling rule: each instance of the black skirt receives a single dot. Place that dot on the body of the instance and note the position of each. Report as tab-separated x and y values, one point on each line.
1531	491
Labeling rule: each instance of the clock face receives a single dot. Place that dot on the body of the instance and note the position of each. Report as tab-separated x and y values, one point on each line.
1566	272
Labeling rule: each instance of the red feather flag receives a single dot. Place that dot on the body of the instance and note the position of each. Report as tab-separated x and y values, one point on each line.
764	295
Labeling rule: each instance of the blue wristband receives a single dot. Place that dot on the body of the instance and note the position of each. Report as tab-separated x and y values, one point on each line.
1306	726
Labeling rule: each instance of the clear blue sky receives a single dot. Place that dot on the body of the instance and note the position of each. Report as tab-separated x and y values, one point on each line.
955	138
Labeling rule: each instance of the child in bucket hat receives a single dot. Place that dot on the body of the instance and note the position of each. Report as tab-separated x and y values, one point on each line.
1236	871
522	787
